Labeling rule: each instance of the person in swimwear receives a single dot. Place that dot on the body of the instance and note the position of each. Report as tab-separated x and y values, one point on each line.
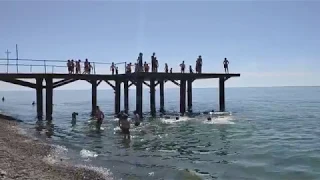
99	116
136	118
124	125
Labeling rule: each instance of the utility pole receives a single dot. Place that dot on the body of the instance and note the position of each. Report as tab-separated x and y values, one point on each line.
17	57
7	52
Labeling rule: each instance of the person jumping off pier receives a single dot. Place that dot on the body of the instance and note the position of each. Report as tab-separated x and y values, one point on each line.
226	65
112	68
182	66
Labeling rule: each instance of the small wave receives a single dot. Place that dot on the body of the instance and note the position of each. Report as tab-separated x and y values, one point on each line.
220	120
174	120
168	151
86	153
105	172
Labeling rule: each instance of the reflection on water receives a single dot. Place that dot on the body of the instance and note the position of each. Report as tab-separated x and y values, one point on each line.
48	127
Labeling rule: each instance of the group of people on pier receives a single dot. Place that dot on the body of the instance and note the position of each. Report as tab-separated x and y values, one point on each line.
74	67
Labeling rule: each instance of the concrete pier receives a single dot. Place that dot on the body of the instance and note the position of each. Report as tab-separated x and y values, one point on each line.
137	79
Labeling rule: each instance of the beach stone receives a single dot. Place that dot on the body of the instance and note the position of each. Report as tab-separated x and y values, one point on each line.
2	173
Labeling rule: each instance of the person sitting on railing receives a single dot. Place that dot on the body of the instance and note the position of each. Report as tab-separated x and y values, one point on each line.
166	68
69	66
78	67
72	66
112	68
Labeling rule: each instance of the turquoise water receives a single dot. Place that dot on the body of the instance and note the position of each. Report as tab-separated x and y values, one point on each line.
269	133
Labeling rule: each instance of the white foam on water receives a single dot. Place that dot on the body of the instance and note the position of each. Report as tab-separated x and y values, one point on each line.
105	172
56	155
173	120
87	154
151	173
220	120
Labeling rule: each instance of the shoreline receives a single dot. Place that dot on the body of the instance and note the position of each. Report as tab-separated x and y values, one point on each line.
22	157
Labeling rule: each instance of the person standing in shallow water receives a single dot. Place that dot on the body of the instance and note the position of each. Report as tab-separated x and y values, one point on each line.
226	65
99	116
124	125
136	118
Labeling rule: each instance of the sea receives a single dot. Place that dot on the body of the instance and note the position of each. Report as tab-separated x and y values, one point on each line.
267	133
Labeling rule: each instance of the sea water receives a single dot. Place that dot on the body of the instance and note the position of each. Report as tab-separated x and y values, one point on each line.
267	133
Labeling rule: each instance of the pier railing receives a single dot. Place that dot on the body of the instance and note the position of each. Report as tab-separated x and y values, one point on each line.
53	66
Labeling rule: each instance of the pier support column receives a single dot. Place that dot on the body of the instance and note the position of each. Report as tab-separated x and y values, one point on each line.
221	94
152	98
189	89
126	96
93	97
182	96
161	85
139	96
39	94
117	97
49	94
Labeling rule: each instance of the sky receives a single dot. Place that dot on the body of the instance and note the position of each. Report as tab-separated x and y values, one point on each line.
270	43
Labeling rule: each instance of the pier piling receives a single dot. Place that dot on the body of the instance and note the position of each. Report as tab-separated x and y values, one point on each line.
49	96
93	96
182	96
117	100
139	96
126	95
161	86
221	94
189	89
152	98
39	93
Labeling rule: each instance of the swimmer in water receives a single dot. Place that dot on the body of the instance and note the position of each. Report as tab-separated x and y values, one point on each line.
33	103
124	125
74	118
2	99
136	118
99	116
209	118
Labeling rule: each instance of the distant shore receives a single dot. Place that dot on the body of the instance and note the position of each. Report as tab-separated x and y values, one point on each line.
24	158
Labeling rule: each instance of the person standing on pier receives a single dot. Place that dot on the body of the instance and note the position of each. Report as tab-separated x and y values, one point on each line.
99	116
89	68
199	65
69	66
140	64
78	67
182	66
166	68
86	67
226	65
170	70
117	71
128	68
154	63
72	66
112	68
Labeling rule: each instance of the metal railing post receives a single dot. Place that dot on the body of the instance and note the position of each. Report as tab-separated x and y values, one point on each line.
94	68
45	66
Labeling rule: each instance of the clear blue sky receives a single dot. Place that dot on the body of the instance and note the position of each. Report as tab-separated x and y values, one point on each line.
269	43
